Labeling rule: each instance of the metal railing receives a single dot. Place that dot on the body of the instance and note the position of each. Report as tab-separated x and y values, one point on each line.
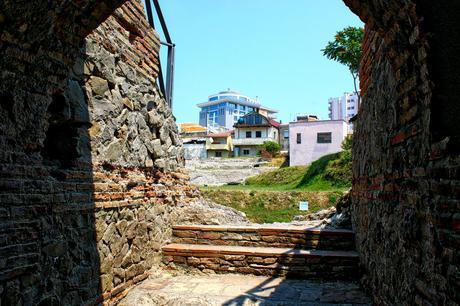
251	141
168	90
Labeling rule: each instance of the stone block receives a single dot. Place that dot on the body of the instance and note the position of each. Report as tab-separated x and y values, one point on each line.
231	236
99	86
106	282
234	257
209	235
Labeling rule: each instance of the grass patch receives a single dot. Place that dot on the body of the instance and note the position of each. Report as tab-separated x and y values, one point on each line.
279	161
329	173
282	176
274	196
263	206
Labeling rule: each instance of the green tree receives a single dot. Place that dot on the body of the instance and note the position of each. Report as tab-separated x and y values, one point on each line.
346	49
271	147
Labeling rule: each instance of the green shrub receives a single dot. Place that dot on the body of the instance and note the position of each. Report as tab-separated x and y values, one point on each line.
271	147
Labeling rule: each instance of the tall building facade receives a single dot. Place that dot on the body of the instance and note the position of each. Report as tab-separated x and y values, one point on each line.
344	107
225	108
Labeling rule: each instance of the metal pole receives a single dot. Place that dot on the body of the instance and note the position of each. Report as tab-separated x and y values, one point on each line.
170	74
162	21
161	82
168	93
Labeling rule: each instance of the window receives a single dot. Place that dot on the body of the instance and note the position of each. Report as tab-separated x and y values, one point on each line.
286	134
227	97
324	137
235	118
245	152
274	135
299	138
258	134
248	134
218	154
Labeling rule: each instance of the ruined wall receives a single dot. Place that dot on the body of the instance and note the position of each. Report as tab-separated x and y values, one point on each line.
90	161
136	152
406	167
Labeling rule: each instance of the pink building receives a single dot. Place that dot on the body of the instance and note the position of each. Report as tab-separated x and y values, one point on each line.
310	140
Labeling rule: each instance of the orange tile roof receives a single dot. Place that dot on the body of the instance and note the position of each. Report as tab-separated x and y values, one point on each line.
189	127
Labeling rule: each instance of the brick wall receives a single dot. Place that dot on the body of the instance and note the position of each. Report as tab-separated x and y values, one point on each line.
406	177
90	160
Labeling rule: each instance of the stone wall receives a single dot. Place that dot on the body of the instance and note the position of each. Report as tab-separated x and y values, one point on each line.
90	161
265	236
405	164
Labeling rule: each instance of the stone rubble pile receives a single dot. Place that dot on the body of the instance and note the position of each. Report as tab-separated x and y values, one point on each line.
202	211
334	217
221	171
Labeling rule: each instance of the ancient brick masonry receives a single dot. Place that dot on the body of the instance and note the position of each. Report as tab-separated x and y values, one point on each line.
90	161
264	250
405	165
255	236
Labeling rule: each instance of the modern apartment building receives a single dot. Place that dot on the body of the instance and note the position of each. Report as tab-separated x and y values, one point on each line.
310	140
344	107
227	107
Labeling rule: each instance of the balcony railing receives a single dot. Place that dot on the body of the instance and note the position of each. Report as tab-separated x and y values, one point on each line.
168	90
217	146
251	141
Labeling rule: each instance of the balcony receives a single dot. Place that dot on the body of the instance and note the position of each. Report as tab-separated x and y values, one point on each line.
218	146
251	141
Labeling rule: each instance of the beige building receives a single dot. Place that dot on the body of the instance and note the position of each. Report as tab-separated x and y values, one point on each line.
219	145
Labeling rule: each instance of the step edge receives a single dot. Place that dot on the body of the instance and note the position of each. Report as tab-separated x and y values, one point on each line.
224	228
198	248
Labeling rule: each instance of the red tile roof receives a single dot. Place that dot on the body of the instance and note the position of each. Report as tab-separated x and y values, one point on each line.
274	123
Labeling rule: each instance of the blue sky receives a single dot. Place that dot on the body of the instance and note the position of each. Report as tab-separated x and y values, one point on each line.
265	48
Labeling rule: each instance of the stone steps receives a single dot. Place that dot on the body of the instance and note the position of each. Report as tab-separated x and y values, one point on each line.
265	250
265	260
262	236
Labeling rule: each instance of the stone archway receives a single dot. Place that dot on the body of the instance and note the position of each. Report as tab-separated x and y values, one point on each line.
68	232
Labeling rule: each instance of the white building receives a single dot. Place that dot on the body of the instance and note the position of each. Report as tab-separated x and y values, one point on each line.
344	107
310	140
251	131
